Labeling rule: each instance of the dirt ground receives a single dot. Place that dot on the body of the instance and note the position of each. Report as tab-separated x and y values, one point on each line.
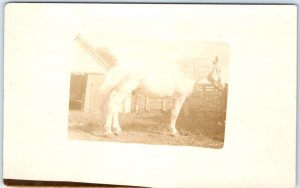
198	129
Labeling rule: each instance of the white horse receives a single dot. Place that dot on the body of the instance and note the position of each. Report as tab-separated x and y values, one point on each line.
176	81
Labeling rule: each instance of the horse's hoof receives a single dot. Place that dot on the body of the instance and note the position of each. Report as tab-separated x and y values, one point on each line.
174	134
117	133
108	134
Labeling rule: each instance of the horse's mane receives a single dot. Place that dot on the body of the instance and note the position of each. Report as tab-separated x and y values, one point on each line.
195	68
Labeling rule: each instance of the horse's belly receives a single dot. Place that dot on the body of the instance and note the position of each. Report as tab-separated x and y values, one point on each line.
155	90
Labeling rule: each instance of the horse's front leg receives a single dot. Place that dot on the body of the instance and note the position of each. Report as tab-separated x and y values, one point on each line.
177	104
116	125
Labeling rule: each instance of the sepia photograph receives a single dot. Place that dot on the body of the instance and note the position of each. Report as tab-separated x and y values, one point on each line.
150	95
164	98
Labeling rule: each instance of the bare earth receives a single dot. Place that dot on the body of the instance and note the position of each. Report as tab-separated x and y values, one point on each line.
198	129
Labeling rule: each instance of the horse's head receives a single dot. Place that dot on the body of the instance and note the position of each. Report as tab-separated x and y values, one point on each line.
215	75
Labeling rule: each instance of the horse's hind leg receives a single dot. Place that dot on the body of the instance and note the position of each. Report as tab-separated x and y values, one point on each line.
107	125
177	104
113	106
116	125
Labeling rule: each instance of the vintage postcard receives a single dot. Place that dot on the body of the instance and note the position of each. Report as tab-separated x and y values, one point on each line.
153	95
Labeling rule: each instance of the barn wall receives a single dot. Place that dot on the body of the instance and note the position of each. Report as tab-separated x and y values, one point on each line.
84	63
92	96
77	91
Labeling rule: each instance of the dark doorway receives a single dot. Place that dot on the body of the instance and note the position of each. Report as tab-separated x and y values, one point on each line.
77	91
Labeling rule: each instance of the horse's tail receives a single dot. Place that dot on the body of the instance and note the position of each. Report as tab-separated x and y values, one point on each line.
111	81
104	91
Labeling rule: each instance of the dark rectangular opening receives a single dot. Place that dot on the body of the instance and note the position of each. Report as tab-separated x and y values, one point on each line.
77	91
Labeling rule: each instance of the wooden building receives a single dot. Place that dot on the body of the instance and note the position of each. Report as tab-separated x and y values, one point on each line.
88	76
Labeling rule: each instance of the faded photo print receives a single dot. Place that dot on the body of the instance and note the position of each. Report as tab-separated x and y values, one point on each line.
148	89
191	95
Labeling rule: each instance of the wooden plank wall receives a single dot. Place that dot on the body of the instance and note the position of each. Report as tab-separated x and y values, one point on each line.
92	99
78	84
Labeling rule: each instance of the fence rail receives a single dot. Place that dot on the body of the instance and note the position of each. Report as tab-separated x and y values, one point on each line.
205	98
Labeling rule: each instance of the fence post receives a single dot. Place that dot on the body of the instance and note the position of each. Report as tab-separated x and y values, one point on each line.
186	110
147	104
137	104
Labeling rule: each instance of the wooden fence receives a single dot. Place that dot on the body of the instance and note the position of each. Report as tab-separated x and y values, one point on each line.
205	98
208	100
